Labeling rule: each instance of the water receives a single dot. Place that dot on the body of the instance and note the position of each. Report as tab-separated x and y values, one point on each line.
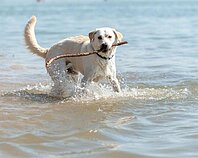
156	115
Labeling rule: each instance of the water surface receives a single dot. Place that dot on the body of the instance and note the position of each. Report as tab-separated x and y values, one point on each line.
156	114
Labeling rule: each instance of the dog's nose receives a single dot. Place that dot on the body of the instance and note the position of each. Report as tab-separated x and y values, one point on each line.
104	46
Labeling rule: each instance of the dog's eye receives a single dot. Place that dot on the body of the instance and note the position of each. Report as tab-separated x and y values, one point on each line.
109	36
99	37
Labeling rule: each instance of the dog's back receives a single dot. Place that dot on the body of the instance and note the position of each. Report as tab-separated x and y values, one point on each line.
71	45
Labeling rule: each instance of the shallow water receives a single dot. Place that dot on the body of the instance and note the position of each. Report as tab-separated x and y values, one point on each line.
156	114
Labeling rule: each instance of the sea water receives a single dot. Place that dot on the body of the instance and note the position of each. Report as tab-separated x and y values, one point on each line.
155	115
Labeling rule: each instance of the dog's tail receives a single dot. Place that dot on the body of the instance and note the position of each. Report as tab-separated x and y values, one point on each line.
30	39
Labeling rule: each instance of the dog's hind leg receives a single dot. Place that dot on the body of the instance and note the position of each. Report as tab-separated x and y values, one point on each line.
74	75
62	85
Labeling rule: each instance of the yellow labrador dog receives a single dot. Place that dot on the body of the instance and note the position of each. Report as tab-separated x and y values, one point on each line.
93	67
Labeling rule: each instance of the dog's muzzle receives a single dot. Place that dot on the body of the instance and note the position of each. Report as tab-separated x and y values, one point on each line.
104	48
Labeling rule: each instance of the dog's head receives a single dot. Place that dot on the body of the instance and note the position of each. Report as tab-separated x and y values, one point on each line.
103	38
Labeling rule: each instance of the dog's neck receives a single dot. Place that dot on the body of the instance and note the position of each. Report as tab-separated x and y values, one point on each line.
107	55
106	63
103	57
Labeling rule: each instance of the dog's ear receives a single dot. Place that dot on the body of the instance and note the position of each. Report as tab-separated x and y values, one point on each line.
91	35
118	35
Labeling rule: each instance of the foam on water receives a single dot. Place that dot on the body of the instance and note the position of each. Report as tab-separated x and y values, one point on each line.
101	92
97	92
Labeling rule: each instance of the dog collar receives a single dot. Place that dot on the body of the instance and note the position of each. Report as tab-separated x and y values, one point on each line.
105	58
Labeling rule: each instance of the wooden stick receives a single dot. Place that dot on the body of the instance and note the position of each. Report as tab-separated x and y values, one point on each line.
78	55
121	43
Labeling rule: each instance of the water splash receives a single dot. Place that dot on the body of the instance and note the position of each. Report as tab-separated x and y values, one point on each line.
104	91
97	92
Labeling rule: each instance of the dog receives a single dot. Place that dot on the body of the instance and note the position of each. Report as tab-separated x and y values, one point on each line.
94	67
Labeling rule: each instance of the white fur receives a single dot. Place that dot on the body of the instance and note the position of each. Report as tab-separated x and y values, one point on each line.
93	67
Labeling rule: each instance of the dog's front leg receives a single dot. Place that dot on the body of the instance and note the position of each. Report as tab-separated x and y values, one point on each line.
85	81
87	78
115	83
58	72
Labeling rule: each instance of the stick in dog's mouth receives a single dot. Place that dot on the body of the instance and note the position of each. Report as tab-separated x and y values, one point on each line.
120	43
78	55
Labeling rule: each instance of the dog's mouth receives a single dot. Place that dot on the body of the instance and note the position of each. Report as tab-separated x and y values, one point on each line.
104	48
